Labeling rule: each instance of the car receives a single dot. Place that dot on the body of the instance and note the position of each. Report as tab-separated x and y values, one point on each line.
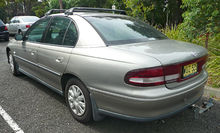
20	24
106	63
3	31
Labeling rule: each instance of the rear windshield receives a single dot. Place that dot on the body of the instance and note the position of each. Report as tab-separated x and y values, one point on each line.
30	19
1	23
123	30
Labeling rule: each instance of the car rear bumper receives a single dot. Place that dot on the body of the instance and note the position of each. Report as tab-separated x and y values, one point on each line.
149	109
4	35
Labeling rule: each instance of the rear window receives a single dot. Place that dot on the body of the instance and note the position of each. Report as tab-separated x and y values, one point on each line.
1	23
30	19
123	30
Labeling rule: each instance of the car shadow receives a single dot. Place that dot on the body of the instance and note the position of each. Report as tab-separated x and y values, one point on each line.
183	122
43	88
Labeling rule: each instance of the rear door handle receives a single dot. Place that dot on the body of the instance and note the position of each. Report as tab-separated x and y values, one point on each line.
59	59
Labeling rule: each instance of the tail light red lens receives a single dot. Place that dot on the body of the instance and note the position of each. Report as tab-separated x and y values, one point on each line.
161	75
145	77
28	26
6	28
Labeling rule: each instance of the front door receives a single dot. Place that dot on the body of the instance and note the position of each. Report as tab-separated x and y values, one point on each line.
55	53
27	54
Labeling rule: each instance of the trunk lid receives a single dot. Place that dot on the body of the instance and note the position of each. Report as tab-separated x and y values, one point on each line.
167	52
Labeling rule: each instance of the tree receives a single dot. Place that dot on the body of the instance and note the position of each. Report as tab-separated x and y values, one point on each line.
202	17
2	10
41	8
155	11
61	4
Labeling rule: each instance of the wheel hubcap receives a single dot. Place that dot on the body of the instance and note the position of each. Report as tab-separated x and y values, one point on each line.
76	100
11	63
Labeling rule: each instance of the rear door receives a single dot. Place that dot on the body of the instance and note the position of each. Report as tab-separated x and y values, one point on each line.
27	54
54	54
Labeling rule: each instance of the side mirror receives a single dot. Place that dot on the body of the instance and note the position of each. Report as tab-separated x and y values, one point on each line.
18	37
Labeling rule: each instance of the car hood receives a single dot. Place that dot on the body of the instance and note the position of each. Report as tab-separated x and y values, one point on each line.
166	51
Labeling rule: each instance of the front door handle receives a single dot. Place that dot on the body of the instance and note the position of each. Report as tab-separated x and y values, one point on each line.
59	59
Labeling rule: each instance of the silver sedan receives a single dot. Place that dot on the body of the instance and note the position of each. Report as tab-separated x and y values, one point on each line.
20	24
110	64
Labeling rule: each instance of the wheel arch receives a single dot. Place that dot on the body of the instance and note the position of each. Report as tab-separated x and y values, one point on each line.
64	79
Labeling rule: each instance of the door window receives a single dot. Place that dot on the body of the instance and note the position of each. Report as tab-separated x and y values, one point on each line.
57	30
36	32
71	35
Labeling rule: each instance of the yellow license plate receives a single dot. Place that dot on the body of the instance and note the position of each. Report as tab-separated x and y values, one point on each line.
189	70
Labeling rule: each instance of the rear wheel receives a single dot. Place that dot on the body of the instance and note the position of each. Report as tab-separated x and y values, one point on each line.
78	100
13	65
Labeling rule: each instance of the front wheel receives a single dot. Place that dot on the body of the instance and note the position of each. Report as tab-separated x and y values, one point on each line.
13	65
78	100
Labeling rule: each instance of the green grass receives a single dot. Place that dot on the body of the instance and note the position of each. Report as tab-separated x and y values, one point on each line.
213	64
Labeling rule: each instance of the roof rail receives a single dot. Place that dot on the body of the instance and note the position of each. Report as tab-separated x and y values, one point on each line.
54	11
88	9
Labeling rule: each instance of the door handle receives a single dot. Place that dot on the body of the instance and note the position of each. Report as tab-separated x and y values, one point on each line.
59	59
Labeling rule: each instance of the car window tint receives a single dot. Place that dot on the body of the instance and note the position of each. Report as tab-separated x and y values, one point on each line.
124	30
37	30
12	20
17	21
71	35
57	30
29	18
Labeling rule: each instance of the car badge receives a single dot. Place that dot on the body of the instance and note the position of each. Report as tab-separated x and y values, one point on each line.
194	54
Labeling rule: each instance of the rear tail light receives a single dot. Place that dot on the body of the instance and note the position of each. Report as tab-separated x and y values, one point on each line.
145	77
6	28
161	75
28	26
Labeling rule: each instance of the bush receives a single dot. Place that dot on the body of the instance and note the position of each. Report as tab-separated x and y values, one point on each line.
213	64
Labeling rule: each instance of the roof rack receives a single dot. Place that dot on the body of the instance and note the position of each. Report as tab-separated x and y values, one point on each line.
54	11
88	9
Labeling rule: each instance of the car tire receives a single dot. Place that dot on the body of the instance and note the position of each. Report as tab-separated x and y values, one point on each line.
13	65
78	100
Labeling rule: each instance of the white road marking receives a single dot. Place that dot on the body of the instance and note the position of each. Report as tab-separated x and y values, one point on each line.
10	121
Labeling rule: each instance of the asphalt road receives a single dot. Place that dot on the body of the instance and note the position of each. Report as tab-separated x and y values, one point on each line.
35	108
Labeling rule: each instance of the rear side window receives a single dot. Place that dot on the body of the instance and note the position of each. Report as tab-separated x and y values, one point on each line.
71	35
57	30
36	31
29	18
